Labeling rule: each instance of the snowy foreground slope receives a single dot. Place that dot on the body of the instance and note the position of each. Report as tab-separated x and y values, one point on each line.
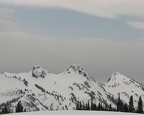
40	90
75	113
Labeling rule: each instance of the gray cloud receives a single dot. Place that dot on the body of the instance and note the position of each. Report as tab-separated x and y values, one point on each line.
107	9
6	13
7	24
136	24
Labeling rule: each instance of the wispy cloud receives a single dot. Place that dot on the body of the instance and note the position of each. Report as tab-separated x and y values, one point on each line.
6	20
6	13
136	24
9	28
107	8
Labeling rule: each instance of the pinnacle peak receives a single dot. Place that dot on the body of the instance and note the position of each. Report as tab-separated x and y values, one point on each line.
38	71
75	67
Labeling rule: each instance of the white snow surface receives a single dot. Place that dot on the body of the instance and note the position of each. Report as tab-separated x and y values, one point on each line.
40	90
74	113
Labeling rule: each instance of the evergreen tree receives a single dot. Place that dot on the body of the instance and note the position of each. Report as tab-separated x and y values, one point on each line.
131	105
140	106
93	105
110	107
19	107
125	108
80	106
77	105
83	107
4	110
88	106
104	108
119	104
99	107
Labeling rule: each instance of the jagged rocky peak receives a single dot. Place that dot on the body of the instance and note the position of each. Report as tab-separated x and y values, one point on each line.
77	69
76	66
39	71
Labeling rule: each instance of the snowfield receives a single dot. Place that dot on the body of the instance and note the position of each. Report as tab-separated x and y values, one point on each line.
74	113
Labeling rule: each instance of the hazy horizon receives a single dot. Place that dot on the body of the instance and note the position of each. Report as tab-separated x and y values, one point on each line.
103	37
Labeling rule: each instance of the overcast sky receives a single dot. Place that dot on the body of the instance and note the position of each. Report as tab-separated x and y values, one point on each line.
103	36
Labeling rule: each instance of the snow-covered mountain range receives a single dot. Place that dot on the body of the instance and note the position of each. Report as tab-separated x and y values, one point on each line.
40	90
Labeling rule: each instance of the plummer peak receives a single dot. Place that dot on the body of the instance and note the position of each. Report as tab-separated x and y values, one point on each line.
119	75
116	76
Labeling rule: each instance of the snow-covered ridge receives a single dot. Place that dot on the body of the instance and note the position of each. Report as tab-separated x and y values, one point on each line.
40	90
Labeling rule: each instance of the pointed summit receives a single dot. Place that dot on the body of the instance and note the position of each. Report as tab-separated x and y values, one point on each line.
76	66
117	77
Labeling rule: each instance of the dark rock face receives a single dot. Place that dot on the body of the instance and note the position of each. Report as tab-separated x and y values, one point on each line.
39	71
